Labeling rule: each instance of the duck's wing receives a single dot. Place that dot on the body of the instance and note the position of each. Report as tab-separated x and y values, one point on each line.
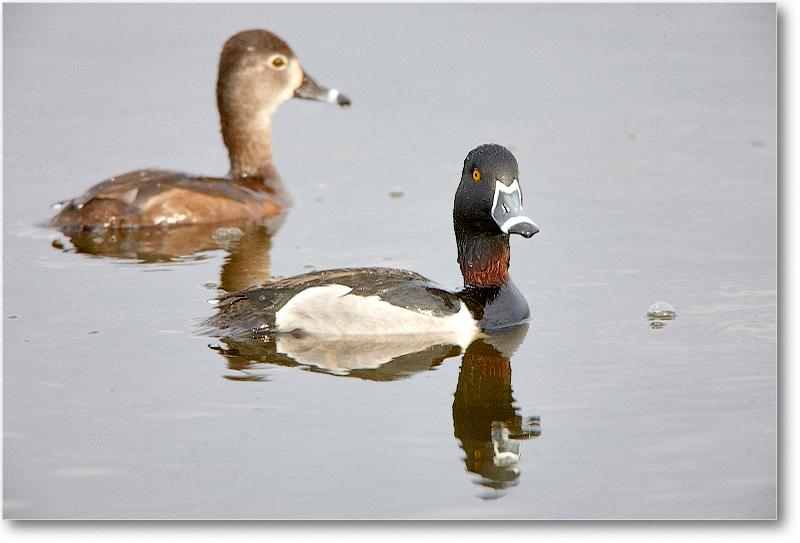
255	308
145	198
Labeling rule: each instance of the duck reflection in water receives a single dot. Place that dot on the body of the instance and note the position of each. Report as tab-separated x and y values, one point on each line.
485	419
247	260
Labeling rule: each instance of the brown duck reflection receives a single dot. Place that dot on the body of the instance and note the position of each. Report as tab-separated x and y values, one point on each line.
248	246
485	419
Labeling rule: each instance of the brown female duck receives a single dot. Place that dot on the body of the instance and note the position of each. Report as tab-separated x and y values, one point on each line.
257	73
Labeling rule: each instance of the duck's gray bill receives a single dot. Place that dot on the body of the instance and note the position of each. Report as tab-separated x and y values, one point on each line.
311	91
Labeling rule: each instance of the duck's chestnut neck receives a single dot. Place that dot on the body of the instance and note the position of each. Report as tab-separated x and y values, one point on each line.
483	258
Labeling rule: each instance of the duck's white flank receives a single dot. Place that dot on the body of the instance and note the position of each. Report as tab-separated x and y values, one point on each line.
332	310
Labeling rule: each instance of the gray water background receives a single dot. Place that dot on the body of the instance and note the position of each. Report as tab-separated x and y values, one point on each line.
646	138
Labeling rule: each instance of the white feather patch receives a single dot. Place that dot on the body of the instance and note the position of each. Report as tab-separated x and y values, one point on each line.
331	310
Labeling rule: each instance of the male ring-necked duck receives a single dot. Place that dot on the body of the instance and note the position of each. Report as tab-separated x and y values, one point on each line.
257	73
372	301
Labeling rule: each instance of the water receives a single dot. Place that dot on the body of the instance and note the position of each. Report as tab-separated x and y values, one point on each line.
646	138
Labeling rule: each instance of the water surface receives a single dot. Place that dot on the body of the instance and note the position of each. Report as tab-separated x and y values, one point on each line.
646	138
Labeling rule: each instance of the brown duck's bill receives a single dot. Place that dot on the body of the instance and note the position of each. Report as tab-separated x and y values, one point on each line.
311	91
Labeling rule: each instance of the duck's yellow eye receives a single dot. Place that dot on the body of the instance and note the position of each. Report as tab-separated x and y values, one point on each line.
476	175
277	62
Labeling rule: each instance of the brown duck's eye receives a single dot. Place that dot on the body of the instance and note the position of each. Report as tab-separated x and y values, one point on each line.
476	175
277	61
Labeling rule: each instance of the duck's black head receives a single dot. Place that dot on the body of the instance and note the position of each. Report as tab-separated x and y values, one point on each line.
487	208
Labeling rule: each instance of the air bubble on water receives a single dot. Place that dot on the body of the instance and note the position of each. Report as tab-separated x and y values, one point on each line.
658	313
661	310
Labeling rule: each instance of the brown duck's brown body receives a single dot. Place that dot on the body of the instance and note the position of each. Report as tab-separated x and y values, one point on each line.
257	73
147	198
